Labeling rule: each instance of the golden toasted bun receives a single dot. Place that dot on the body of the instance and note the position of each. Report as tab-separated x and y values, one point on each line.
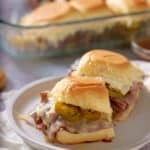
111	67
86	9
127	6
148	1
86	5
2	79
87	93
47	12
66	137
51	12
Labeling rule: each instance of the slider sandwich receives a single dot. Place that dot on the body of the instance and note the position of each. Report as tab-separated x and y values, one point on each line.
56	12
61	12
122	78
76	110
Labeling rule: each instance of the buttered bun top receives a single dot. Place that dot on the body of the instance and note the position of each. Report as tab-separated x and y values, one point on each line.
47	12
113	68
87	5
105	57
51	12
127	6
84	92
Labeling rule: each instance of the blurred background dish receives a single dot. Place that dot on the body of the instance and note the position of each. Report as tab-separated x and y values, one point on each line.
85	26
141	43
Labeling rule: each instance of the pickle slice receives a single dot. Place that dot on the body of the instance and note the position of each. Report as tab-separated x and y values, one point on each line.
68	112
75	114
91	115
114	93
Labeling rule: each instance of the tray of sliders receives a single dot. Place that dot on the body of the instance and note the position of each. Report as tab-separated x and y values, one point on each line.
102	103
66	27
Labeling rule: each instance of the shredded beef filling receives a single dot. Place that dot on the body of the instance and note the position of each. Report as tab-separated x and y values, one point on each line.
56	122
120	105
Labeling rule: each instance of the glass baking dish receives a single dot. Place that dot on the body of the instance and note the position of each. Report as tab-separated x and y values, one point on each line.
66	38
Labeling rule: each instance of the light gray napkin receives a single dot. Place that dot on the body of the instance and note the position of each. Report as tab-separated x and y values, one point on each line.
9	140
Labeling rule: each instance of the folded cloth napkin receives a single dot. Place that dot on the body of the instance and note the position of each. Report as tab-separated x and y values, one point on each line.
9	140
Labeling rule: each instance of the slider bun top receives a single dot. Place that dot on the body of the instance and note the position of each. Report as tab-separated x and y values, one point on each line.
86	5
51	12
47	12
111	67
127	6
85	92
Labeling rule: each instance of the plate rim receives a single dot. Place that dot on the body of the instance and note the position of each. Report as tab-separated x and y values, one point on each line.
10	111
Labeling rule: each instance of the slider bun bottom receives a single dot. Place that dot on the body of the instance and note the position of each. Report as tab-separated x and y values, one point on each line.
66	137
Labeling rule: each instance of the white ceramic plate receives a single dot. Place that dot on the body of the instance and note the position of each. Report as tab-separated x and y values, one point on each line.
130	134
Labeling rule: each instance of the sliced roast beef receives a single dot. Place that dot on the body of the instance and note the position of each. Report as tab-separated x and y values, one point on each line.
85	126
120	105
79	127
